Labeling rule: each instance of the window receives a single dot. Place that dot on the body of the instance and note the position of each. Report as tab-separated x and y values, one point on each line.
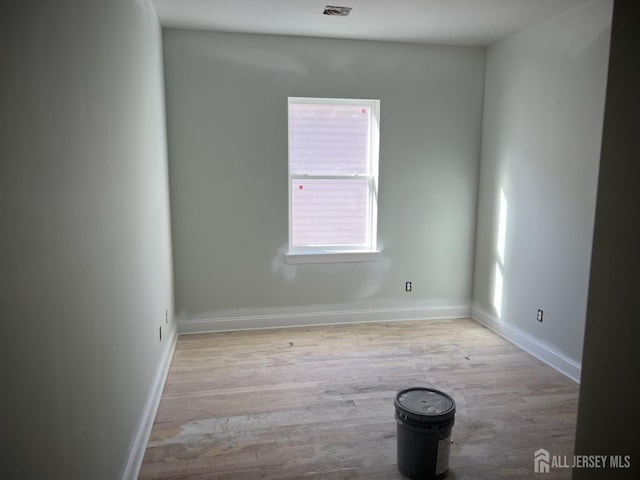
333	179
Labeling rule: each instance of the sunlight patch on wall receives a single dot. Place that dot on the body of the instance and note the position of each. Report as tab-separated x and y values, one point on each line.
498	285
502	227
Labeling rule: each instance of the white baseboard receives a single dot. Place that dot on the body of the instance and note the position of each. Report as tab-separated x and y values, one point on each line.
307	319
529	344
143	429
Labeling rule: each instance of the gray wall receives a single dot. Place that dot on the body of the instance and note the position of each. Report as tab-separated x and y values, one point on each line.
608	416
227	133
543	110
85	245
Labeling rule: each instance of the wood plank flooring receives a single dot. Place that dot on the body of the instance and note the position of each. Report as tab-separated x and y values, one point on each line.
317	403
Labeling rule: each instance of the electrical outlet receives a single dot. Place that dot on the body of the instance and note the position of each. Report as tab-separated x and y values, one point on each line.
408	286
540	314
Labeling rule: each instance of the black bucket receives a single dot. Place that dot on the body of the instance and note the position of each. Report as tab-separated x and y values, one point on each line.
425	418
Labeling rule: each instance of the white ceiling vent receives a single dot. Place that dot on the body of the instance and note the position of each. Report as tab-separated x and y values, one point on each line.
336	11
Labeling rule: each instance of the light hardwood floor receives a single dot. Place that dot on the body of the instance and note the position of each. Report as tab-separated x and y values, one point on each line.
318	403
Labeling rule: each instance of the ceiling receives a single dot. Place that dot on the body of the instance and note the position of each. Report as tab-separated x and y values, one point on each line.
449	22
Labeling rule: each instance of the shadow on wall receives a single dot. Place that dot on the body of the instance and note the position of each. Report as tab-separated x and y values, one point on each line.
367	289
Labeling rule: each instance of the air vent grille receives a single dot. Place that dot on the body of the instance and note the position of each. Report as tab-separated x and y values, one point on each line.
334	11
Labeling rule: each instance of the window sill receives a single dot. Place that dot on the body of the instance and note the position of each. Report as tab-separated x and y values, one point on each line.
333	257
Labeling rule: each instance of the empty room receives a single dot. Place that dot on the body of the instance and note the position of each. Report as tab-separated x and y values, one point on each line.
238	236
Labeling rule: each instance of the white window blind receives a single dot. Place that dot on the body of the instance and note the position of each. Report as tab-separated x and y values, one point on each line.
333	169
329	139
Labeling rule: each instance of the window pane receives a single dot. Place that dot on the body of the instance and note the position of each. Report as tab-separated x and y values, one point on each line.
328	139
329	212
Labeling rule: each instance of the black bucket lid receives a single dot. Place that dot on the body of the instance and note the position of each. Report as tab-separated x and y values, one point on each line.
425	405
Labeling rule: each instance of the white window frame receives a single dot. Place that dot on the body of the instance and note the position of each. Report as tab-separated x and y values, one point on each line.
342	253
